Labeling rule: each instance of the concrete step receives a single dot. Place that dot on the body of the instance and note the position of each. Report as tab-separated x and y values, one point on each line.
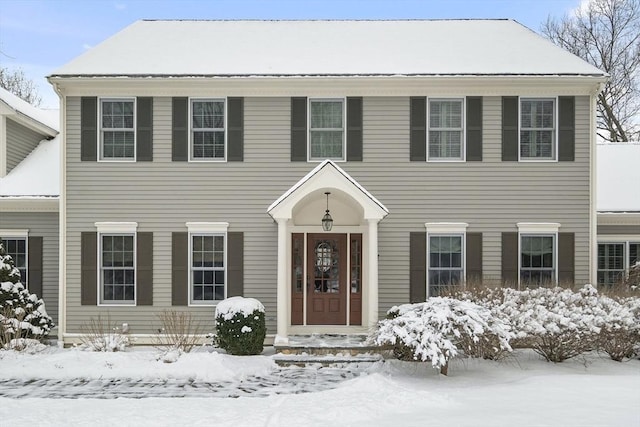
305	359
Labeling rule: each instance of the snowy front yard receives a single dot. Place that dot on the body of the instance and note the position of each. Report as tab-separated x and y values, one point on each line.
523	390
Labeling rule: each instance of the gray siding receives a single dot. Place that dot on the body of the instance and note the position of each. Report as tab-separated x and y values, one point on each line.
20	142
618	229
492	196
44	224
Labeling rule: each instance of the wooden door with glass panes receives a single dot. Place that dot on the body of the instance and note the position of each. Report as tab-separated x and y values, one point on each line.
326	279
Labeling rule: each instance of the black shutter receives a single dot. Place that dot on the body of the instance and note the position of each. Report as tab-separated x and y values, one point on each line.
144	268
510	128
474	129
34	261
179	268
566	131
474	258
144	129
417	266
566	258
88	129
89	268
418	129
235	264
180	130
354	129
299	129
510	259
235	123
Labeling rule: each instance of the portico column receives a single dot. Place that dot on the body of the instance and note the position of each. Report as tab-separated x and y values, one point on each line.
373	271
282	297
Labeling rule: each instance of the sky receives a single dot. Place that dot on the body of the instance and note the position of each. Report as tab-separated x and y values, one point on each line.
39	36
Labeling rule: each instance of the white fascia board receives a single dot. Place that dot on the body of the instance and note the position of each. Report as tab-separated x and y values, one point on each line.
538	227
619	218
446	227
207	227
116	227
9	232
323	86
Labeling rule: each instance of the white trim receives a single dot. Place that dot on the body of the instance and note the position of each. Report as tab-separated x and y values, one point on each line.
9	232
618	218
555	157
344	128
207	227
538	227
124	303
190	157
199	226
116	227
446	227
100	156
29	204
3	145
463	139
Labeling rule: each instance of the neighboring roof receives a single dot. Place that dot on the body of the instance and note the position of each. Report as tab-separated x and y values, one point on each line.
618	177
48	118
38	175
321	48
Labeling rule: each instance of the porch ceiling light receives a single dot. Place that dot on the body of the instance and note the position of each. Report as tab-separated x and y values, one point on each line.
327	221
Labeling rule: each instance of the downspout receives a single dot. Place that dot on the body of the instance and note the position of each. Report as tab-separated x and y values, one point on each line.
62	218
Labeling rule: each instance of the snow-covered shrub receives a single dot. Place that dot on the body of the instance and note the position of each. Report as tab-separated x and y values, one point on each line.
179	331
22	314
240	326
557	323
438	329
99	335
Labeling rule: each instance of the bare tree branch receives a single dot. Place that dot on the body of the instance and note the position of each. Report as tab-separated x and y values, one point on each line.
17	83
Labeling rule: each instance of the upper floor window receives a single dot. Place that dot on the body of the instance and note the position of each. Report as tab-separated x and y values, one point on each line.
538	129
326	129
16	248
208	129
117	129
446	129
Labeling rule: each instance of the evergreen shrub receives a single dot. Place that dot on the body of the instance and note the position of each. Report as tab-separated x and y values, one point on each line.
240	326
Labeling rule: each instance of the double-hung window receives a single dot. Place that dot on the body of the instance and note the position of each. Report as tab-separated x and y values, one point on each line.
538	129
446	129
615	259
208	129
16	248
117	268
537	259
117	129
445	256
207	262
326	129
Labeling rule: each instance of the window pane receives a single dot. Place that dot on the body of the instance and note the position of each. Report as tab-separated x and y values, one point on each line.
326	144
536	260
445	263
326	114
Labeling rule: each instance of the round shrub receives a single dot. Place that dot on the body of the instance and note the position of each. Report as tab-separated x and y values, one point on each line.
240	326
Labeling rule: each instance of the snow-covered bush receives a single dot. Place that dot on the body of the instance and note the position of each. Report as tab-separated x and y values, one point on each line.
99	335
22	314
240	326
179	331
439	329
620	332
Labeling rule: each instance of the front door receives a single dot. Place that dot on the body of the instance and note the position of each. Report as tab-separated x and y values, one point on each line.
326	279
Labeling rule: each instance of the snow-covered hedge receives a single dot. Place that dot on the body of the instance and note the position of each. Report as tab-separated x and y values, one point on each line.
439	329
240	326
22	314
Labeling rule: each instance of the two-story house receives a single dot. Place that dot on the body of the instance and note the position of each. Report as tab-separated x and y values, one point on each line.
330	169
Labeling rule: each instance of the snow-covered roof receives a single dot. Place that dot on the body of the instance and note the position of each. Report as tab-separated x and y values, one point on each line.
48	118
325	48
618	177
38	175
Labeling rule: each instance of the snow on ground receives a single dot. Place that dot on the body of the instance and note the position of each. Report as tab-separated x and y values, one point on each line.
521	391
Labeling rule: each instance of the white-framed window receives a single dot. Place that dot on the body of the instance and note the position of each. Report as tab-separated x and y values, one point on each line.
207	262
117	263
327	118
538	124
117	129
15	244
445	256
207	119
445	138
615	258
538	254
